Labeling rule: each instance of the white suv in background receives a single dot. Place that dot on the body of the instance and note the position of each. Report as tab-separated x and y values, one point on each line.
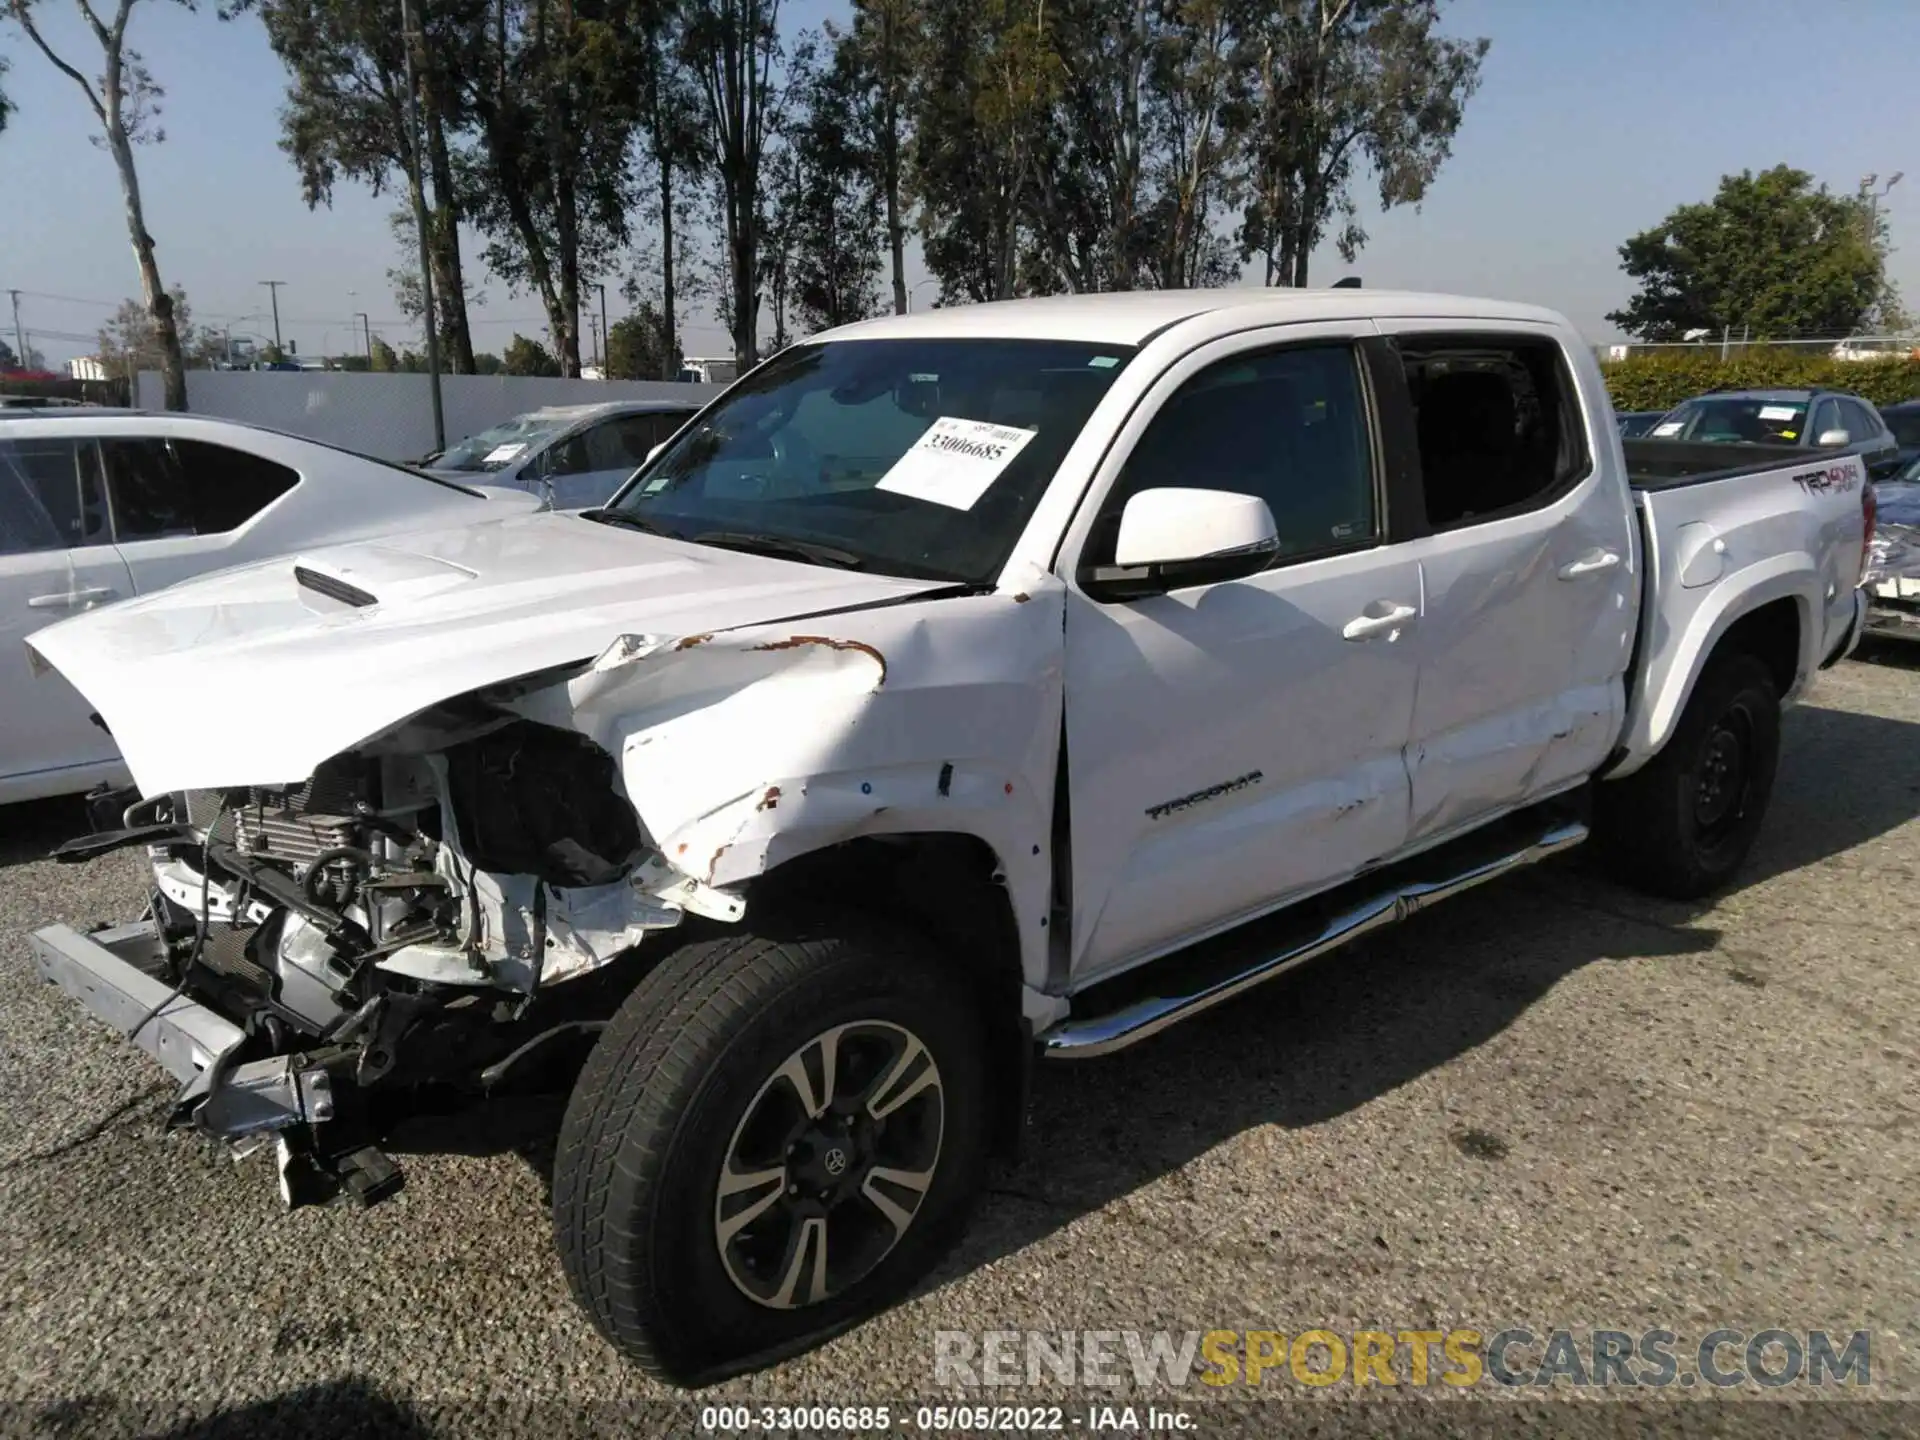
97	505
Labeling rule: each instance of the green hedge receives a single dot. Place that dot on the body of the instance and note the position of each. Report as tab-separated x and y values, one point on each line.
1659	380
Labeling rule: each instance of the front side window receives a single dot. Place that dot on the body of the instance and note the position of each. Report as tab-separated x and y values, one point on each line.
1860	422
171	487
1826	420
1498	423
618	444
909	457
1289	427
49	496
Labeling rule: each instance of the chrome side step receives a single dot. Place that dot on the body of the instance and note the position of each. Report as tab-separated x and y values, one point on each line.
1369	905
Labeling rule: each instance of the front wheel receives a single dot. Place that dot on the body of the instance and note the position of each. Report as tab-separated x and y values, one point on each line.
1682	824
773	1138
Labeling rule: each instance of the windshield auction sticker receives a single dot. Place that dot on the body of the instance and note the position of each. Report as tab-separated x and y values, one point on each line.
955	461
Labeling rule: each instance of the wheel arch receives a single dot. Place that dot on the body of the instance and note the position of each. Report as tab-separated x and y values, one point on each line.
1773	616
948	887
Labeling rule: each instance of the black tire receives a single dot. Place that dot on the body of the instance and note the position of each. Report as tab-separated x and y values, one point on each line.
686	1080
1681	825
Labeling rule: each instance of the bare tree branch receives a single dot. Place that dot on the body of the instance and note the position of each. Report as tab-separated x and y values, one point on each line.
18	9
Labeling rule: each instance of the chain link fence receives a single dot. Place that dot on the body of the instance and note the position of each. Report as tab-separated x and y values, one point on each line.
1730	346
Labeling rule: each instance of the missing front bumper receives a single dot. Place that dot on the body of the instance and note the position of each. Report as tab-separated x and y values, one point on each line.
113	974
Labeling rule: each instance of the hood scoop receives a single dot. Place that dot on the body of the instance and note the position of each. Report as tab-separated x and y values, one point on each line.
333	589
365	575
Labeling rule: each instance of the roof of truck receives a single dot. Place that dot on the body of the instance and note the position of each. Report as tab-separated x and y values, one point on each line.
1131	317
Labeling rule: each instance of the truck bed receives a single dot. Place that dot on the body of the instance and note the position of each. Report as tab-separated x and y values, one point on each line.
1666	464
1782	525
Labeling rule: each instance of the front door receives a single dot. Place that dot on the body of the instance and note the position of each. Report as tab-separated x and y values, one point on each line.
54	562
1231	746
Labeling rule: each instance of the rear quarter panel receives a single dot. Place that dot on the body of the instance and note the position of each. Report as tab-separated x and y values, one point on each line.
1718	551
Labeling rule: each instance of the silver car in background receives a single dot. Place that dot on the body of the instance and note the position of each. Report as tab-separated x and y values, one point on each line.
572	456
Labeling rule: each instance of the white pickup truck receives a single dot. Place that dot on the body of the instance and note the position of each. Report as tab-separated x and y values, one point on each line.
957	689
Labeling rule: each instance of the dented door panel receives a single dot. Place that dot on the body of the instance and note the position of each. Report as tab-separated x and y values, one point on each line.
1529	630
1231	749
1522	671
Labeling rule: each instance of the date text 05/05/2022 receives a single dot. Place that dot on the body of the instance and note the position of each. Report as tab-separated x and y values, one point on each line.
940	1419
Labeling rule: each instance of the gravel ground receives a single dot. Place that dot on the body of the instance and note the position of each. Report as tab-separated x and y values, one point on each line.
1549	1103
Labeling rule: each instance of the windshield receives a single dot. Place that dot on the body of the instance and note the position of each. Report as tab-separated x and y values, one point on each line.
1736	420
503	444
909	457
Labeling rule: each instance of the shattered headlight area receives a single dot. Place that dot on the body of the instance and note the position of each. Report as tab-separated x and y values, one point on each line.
1893	561
405	916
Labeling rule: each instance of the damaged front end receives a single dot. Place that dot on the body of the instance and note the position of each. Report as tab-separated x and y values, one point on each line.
317	953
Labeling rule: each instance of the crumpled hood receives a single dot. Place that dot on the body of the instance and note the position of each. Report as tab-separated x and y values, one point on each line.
254	675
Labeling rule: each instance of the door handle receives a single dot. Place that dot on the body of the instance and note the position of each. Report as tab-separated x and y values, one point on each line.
1591	563
70	600
1366	627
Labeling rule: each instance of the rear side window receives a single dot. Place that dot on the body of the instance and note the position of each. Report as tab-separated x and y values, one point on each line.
1498	421
163	487
49	495
1905	425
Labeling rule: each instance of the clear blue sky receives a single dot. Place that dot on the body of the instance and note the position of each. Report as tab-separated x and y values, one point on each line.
1594	120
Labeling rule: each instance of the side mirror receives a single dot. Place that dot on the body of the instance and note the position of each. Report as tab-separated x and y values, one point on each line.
1833	439
1174	537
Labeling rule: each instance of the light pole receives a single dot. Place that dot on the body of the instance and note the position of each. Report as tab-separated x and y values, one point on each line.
366	327
20	335
915	289
273	288
603	346
416	184
1874	197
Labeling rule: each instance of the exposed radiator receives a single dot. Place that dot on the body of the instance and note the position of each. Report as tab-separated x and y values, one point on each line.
278	825
296	839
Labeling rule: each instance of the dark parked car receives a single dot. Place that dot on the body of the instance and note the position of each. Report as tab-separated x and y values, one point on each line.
1810	419
1904	420
1635	423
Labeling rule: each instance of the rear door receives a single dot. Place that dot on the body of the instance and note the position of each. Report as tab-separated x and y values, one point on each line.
182	507
1529	567
55	561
